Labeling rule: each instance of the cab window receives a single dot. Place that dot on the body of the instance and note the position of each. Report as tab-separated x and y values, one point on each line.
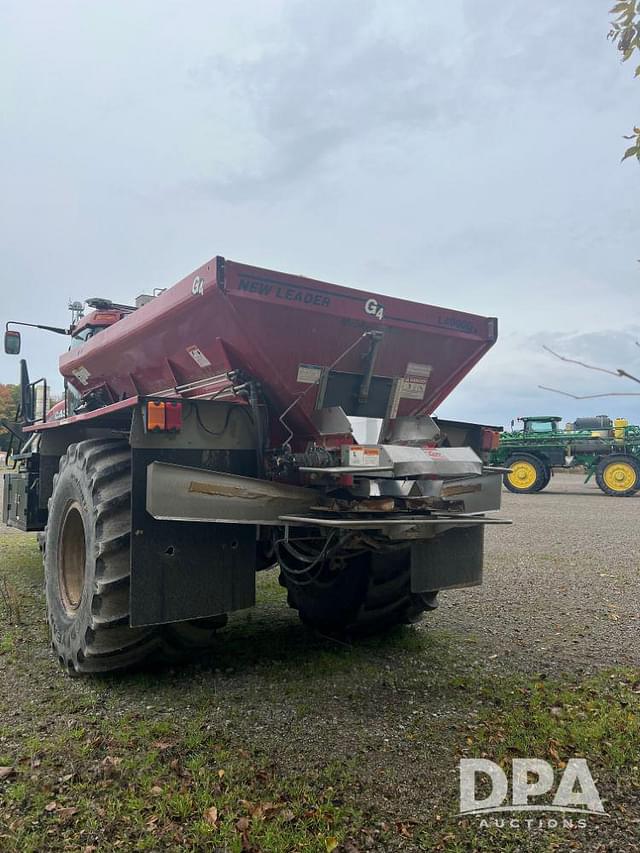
83	336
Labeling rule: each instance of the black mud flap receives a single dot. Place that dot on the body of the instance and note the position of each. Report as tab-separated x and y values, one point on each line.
188	570
453	559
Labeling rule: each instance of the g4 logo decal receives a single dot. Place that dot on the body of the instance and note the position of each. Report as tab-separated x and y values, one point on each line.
371	306
197	288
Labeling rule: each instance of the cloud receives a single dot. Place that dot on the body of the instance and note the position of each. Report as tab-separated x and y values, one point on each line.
363	73
464	154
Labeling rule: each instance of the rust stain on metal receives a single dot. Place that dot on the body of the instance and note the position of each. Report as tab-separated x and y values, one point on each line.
376	505
448	491
367	505
225	491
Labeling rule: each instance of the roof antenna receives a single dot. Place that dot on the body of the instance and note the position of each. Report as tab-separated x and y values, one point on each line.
77	312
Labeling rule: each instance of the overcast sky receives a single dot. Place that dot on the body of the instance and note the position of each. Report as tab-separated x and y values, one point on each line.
464	153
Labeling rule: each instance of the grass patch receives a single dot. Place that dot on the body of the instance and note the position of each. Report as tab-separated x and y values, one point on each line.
281	740
597	719
146	785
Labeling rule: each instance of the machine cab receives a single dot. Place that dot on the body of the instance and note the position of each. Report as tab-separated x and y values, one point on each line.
105	314
540	424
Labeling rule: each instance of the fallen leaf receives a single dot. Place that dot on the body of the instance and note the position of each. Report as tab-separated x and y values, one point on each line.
155	791
247	846
109	765
404	829
331	843
287	815
242	824
5	772
51	807
220	773
66	813
259	811
161	744
67	777
271	810
211	816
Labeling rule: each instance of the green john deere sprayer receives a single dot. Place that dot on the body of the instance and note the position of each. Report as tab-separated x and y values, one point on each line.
608	449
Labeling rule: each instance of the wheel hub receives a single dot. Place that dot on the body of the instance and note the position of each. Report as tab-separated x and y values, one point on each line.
72	558
523	475
619	476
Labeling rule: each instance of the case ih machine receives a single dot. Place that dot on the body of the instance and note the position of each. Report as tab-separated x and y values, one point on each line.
205	435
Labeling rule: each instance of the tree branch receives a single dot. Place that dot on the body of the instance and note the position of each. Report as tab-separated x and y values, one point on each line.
618	372
590	396
625	35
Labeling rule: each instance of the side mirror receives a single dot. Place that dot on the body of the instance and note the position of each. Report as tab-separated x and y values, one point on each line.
11	342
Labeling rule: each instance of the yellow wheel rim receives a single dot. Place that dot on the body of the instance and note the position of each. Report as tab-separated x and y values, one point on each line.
523	474
619	476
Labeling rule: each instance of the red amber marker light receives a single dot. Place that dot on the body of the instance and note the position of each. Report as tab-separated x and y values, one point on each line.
155	417
173	417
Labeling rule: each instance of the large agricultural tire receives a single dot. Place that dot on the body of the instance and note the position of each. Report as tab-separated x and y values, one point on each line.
547	478
528	474
87	571
618	475
369	595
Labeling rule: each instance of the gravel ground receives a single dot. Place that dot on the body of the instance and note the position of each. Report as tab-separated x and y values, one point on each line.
562	584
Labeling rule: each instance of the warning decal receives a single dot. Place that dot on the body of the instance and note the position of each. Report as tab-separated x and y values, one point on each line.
309	373
413	388
414	384
198	356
